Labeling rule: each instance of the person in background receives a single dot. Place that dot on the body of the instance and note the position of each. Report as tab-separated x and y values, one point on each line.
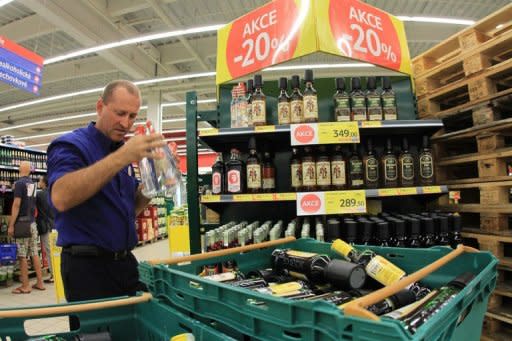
24	201
93	188
44	221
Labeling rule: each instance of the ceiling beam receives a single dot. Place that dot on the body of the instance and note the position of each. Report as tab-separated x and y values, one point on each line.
173	54
27	28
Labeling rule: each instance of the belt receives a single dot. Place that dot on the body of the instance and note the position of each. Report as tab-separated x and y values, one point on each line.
94	251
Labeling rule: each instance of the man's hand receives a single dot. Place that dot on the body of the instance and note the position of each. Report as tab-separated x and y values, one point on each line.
141	146
10	230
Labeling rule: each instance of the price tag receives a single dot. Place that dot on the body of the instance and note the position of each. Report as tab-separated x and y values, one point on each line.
210	198
341	202
408	191
311	203
262	197
285	196
264	129
371	124
242	197
432	189
388	192
338	132
209	132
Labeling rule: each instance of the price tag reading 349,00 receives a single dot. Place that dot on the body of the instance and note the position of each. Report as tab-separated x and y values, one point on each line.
338	132
340	202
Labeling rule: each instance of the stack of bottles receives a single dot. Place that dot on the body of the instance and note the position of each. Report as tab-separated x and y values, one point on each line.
300	105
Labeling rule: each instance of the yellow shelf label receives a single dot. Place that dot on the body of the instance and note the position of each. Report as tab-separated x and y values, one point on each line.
432	189
209	132
341	202
388	192
338	132
408	191
242	197
371	124
263	197
210	198
264	129
285	196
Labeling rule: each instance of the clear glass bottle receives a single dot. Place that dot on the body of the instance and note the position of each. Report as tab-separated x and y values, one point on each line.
283	103
310	99
259	100
373	100
341	99
388	100
296	101
357	101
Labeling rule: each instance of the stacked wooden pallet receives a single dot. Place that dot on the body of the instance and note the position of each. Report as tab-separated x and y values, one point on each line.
467	81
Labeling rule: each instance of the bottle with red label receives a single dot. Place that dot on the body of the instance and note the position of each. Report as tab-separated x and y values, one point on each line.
235	173
218	176
253	169
269	173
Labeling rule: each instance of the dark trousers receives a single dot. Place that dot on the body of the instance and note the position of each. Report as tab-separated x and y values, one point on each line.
88	277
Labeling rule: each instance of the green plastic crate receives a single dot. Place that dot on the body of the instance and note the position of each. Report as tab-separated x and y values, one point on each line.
263	317
148	321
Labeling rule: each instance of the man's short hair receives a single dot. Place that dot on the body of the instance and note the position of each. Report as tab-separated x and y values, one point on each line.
121	83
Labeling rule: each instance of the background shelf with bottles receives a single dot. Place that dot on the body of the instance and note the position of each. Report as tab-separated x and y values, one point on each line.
276	138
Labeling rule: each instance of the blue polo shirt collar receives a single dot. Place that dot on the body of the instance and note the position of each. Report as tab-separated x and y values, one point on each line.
104	142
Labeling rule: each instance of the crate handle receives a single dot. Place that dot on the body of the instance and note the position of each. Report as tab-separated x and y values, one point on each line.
223	252
74	308
358	306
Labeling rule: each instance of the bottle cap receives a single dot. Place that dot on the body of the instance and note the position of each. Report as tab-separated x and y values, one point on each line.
345	275
400	228
295	82
388	144
308	75
426	141
252	143
356	83
428	225
283	83
415	227
333	229
443	224
258	81
405	144
462	280
456	223
403	298
383	230
340	83
371	83
386	83
351	231
341	247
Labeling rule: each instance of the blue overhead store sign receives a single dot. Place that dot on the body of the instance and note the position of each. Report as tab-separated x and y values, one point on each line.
19	67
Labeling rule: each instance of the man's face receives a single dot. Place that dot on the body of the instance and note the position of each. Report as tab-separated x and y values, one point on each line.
117	117
41	184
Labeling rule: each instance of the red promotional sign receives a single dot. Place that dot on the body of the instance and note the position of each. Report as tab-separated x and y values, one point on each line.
262	38
304	134
310	203
365	33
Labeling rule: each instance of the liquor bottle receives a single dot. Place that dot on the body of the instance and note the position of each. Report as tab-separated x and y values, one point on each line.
383	234
406	165
308	170
350	227
269	173
426	164
393	302
296	102
218	176
333	229
355	169
357	101
400	233
250	91
371	167
296	171
323	169
259	100
429	231
388	100
234	108
310	98
234	173
368	233
338	169
283	103
253	169
415	230
389	166
444	231
455	223
341	99
373	102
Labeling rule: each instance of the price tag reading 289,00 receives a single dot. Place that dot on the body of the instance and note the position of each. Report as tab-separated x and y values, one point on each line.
341	202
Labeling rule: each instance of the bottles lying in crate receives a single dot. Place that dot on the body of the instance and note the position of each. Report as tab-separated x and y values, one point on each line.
299	275
248	102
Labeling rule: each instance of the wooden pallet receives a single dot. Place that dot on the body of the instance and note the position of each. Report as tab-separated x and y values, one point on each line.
465	43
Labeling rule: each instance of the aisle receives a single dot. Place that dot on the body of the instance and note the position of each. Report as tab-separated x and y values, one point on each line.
159	249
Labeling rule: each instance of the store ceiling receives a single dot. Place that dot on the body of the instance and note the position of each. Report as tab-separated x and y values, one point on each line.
55	27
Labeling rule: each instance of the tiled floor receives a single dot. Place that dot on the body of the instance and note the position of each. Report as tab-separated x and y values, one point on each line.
47	326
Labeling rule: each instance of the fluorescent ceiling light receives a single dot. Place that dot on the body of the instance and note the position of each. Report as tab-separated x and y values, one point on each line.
437	20
175	78
500	26
42	135
131	41
317	66
48	121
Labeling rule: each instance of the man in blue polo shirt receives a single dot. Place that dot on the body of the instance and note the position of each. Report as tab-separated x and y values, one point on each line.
97	198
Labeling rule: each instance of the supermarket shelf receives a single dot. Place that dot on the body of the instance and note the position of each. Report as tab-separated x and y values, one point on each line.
370	193
503	289
503	314
494	336
279	135
10	146
16	168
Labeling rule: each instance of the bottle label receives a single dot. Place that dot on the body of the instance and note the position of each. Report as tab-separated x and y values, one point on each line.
372	169
426	166
342	247
259	114
222	277
269	183
285	287
388	102
283	112
383	271
216	183
323	173
310	107
254	176
408	168
358	102
243	119
308	173
390	114
249	114
296	175
374	108
390	169
297	111
338	173
234	185
356	167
